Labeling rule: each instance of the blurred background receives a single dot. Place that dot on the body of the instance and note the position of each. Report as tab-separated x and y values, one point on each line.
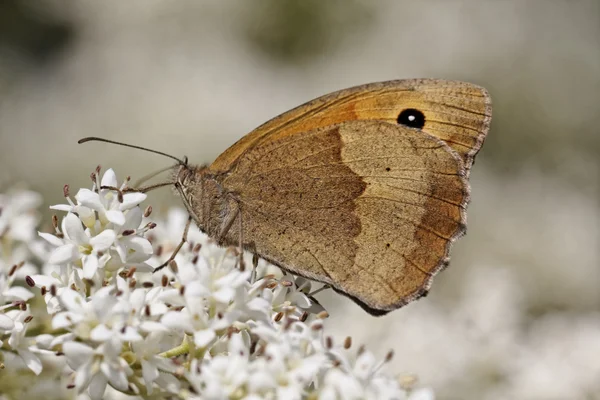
517	314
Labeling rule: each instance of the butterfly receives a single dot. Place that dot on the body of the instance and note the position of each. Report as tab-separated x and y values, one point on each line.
364	189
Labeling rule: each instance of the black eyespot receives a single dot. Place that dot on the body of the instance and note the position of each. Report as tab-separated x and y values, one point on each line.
412	118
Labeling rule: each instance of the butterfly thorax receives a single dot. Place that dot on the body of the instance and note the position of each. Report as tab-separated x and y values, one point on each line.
205	199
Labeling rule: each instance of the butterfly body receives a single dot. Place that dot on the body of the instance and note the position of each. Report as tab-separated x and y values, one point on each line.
346	191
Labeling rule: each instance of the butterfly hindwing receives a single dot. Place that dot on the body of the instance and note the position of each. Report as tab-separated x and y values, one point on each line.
368	207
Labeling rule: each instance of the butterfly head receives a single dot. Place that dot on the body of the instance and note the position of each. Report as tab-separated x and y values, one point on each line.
181	172
186	175
191	184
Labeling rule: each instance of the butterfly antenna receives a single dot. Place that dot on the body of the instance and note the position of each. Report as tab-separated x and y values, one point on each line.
97	139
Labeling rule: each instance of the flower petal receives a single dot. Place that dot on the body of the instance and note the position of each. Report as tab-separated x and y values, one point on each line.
61	320
83	375
53	240
109	178
73	229
90	266
64	254
98	387
77	354
116	217
18	292
43	341
116	377
142	248
101	333
196	288
133	219
103	240
363	366
131	335
90	199
300	299
121	251
45	280
72	300
31	360
204	337
150	373
224	295
152	326
177	320
131	200
87	216
422	394
6	323
60	339
62	207
137	299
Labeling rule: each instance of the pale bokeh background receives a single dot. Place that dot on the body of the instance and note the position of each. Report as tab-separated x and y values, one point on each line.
517	314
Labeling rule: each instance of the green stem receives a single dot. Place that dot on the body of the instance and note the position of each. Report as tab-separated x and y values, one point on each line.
38	330
183	348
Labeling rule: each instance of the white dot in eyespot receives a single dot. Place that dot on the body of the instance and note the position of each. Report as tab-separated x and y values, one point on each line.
411	118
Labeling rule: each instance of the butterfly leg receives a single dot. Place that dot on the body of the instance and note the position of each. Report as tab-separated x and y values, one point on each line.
233	215
241	241
252	249
181	243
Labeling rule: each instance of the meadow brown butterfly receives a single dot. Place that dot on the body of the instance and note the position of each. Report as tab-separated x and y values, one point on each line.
363	189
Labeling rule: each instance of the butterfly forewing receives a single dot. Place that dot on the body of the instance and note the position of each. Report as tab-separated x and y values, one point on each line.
459	113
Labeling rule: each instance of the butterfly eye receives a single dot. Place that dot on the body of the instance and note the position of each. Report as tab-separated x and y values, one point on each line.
412	118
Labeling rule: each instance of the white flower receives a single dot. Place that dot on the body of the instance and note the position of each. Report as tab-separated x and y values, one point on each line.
291	292
225	374
80	247
6	324
85	317
146	353
194	317
86	214
18	215
10	293
14	321
199	329
19	343
358	378
55	283
422	394
294	353
207	294
18	219
19	255
291	295
108	242
167	235
169	230
218	282
130	249
137	308
95	368
105	202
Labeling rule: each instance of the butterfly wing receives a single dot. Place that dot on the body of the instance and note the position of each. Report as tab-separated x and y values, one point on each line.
459	113
368	207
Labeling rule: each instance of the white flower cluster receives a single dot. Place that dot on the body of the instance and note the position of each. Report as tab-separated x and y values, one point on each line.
202	328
